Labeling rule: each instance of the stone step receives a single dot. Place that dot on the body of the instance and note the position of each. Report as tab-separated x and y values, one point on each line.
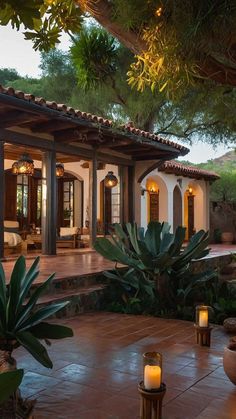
70	283
81	300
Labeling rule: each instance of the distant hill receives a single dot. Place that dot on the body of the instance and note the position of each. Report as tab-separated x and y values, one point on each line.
224	188
225	163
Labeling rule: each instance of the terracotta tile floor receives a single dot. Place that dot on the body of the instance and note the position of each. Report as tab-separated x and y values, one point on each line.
66	265
74	262
96	373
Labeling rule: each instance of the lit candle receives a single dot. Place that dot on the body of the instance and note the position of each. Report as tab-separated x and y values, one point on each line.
203	318
152	377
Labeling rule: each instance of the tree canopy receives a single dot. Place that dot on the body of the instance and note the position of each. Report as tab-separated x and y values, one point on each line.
92	77
176	42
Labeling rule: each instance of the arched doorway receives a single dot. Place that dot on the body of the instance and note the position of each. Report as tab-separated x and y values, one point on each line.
153	200
193	211
177	208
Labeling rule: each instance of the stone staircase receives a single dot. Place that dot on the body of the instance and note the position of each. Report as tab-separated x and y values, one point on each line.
83	293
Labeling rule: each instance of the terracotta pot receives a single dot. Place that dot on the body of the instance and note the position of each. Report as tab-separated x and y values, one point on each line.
229	363
227	237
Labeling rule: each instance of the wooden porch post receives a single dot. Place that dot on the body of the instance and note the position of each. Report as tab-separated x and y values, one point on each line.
131	193
2	194
49	206
121	175
93	197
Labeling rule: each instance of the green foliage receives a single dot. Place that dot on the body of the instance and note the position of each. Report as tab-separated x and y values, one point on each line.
134	14
222	297
9	383
158	266
94	55
224	188
16	12
21	322
8	75
204	111
46	19
178	43
179	35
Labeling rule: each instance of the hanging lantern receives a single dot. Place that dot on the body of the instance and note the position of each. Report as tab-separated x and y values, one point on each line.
23	166
110	180
60	170
14	168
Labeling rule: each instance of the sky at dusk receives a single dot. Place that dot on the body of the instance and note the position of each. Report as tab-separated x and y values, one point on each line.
18	53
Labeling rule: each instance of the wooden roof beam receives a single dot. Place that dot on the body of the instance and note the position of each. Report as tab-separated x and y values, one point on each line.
53	125
153	155
76	135
11	118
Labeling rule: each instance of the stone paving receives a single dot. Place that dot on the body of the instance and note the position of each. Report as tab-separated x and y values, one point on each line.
96	373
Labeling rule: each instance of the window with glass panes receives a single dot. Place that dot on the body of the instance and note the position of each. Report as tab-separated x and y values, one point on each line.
68	202
22	192
115	204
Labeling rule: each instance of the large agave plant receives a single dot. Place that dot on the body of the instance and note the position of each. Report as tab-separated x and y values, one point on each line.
21	322
159	256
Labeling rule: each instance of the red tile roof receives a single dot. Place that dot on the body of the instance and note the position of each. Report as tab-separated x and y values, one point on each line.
187	171
74	113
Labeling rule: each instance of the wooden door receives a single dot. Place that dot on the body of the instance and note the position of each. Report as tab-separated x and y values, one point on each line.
177	208
190	216
10	196
154	207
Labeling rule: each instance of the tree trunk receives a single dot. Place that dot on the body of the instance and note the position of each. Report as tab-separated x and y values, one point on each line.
101	10
219	71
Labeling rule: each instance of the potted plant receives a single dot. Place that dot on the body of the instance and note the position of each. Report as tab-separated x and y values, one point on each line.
229	360
227	237
23	324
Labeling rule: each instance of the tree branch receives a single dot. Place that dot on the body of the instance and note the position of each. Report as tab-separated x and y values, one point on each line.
101	11
209	66
119	98
190	130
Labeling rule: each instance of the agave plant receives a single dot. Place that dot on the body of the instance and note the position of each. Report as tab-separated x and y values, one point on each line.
21	322
9	383
159	256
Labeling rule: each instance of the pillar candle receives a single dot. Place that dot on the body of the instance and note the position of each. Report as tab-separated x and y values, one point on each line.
152	377
203	318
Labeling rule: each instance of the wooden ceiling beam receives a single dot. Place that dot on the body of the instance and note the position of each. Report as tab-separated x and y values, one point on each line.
76	135
53	125
11	118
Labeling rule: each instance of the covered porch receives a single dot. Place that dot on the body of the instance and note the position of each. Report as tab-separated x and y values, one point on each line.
89	147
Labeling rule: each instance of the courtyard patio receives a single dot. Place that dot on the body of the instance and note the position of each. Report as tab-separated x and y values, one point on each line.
96	373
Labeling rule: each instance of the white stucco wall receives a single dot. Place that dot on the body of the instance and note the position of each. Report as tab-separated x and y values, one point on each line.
167	183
